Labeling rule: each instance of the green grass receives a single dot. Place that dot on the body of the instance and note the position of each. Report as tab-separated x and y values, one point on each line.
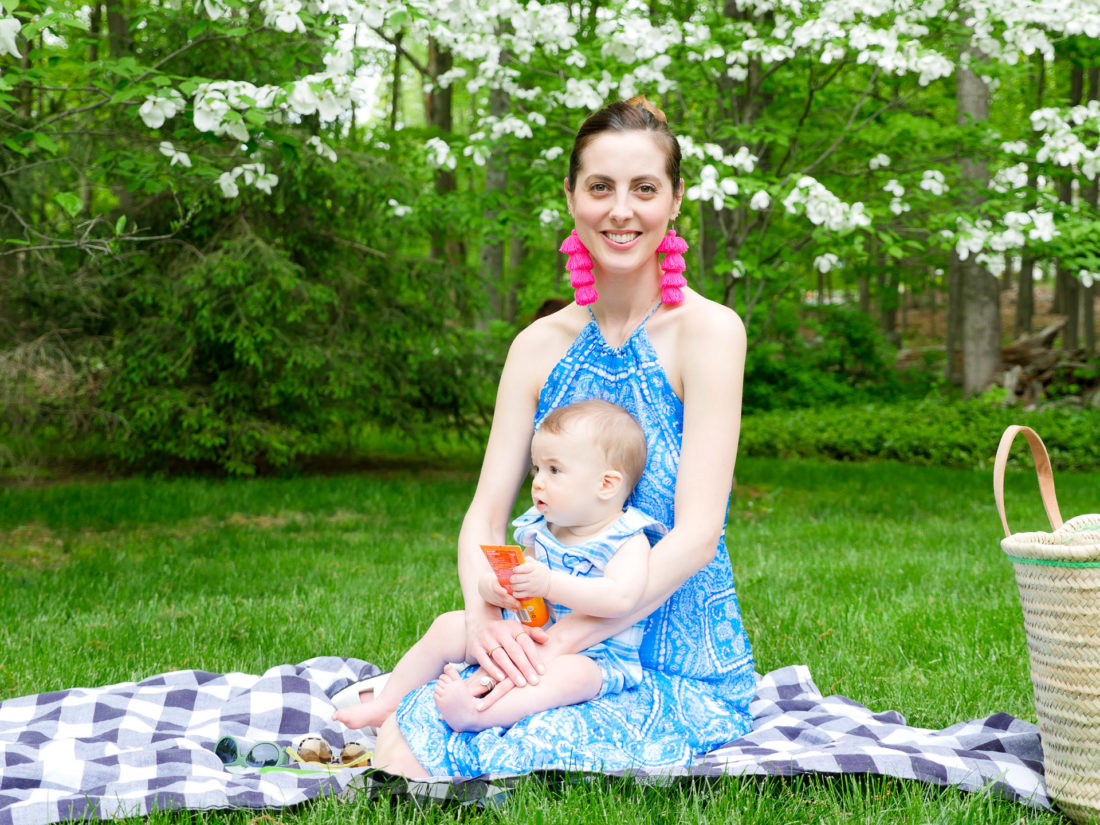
886	580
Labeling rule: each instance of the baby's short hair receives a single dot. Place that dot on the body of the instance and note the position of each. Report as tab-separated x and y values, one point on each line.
615	431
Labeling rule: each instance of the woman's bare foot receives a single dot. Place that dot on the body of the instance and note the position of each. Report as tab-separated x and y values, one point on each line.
457	700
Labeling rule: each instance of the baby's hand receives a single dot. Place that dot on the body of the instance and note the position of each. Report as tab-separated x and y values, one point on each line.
530	579
494	593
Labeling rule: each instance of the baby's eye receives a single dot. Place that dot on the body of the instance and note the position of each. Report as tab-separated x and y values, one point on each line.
553	471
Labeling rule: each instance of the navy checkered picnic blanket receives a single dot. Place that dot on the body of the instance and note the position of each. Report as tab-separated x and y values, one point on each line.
134	748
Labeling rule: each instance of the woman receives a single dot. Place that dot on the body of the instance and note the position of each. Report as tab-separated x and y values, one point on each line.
678	368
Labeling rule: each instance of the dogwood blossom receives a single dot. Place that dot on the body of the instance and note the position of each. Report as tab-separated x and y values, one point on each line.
1009	178
712	188
879	161
439	153
1088	278
251	174
161	106
932	180
321	148
174	156
978	238
227	181
399	211
1062	131
9	29
760	201
283	15
823	208
826	262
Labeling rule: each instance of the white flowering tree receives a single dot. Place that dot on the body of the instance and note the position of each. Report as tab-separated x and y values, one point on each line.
825	142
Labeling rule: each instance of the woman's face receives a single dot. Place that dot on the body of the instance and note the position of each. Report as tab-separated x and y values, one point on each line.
623	200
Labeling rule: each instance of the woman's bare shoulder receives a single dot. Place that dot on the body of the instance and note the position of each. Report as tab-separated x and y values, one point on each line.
550	336
705	324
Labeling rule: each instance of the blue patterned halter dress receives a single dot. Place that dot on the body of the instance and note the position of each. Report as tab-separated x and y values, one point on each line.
698	669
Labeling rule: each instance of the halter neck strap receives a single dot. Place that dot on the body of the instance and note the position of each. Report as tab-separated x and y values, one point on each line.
641	323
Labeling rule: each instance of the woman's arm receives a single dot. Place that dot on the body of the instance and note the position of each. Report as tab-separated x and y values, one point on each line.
505	465
614	593
710	353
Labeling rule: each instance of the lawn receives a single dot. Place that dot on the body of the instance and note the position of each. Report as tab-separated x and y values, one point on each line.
886	580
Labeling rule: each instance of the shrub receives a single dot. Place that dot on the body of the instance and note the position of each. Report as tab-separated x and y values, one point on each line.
929	431
832	355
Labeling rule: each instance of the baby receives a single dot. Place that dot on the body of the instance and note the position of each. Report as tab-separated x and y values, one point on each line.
584	553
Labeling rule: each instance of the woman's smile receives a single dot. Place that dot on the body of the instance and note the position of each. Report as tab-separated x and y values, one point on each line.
622	239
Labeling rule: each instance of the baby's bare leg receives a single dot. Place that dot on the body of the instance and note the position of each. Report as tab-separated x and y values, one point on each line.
444	642
569	680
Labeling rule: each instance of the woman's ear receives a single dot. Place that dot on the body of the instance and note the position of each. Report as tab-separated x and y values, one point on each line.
678	197
568	195
610	483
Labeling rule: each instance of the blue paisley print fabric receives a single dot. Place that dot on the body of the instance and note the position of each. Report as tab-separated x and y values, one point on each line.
617	657
697	667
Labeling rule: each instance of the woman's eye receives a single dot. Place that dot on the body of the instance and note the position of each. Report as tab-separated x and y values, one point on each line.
598	187
647	189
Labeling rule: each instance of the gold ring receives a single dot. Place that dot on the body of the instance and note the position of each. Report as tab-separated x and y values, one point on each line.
521	633
494	650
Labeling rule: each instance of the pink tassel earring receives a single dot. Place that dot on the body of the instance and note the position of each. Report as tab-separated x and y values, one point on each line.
673	265
580	269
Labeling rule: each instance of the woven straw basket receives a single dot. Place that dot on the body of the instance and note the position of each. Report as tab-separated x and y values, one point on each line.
1058	574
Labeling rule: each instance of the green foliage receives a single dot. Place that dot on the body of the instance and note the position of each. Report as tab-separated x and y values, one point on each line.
831	355
225	362
932	431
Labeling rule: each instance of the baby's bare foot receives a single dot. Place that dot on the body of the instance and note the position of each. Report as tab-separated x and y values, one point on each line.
364	715
457	700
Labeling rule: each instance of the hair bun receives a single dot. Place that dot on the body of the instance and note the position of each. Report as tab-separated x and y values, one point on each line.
642	103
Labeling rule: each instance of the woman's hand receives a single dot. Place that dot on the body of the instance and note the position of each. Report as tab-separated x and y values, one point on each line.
508	650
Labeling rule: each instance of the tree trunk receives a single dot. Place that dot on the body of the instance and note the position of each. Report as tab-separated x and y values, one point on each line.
438	105
981	328
1025	281
119	40
952	368
864	293
888	305
517	262
95	27
1025	296
395	94
710	235
741	103
1091	195
492	242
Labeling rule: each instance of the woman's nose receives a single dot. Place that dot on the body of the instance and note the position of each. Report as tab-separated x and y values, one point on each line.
621	210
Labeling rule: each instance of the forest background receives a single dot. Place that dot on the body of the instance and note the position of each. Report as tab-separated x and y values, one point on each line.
238	237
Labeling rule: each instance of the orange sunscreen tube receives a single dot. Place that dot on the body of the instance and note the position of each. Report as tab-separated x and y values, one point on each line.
504	558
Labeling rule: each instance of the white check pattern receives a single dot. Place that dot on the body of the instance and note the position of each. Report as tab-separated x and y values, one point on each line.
138	747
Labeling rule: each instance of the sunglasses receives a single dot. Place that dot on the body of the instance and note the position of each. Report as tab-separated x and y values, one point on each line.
314	750
260	755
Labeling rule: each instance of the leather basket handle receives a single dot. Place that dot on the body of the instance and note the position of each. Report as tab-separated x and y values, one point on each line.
1042	470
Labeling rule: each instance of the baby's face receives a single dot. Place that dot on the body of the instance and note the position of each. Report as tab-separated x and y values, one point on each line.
566	475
